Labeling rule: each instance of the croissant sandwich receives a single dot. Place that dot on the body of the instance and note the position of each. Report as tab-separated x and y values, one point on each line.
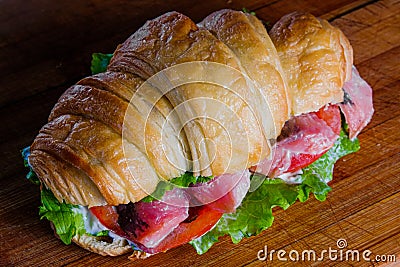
196	131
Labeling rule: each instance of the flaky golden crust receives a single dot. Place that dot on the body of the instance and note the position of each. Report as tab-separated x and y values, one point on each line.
98	245
66	181
245	35
172	39
114	105
120	176
316	58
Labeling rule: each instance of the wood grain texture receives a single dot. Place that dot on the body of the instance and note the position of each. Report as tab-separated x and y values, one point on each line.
46	46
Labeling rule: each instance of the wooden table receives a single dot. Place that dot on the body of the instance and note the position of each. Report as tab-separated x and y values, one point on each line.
47	45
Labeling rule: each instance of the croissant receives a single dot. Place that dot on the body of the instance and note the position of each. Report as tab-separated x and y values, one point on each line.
212	99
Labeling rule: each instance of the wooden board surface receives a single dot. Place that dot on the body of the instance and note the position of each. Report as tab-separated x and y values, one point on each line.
46	46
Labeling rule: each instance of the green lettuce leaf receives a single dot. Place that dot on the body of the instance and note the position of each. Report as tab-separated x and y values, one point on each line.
253	216
255	213
245	10
103	233
185	180
31	175
100	62
67	223
316	176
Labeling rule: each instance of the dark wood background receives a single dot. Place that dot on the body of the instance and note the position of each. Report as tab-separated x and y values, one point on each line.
46	46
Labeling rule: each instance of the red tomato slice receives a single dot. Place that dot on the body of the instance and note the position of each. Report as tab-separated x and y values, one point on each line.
205	219
331	115
303	140
299	161
109	218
